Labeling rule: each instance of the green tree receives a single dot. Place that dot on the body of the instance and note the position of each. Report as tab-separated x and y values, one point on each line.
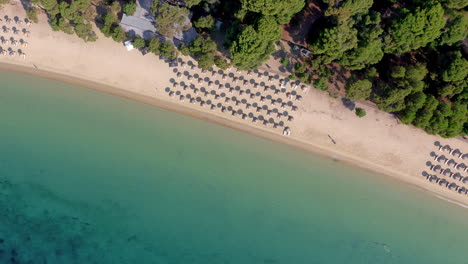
456	4
254	45
457	70
130	8
359	89
109	23
220	62
85	31
155	46
333	42
455	30
170	18
118	34
450	90
414	102
281	10
204	22
32	14
360	112
139	42
416	29
191	3
168	50
369	47
206	61
184	50
425	114
321	84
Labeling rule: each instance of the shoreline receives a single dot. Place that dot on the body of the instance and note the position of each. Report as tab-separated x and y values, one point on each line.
254	131
375	143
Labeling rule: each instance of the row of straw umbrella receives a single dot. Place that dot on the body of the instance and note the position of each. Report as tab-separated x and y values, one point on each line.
233	112
445	183
248	106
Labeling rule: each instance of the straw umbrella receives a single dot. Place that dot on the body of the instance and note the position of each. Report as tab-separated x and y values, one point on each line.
294	108
254	119
171	94
290	118
182	98
192	101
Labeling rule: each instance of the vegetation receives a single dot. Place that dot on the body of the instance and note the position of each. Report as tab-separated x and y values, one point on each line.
130	8
170	18
403	55
255	44
71	17
205	22
32	14
139	42
360	89
360	112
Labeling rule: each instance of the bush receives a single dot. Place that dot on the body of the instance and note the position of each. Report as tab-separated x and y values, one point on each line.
184	50
118	34
155	46
168	50
221	62
285	62
32	14
204	22
130	8
321	84
360	89
360	112
139	42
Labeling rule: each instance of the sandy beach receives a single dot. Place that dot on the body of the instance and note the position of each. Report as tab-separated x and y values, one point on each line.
322	124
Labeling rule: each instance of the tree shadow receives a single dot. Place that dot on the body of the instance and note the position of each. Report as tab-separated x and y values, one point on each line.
348	103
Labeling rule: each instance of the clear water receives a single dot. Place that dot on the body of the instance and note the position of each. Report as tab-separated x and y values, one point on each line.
91	178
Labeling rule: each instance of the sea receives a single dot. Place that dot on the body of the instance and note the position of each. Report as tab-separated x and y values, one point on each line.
87	177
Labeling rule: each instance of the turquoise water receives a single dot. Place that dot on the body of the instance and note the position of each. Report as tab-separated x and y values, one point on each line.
91	178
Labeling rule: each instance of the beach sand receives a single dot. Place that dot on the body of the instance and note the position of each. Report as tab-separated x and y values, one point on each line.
377	142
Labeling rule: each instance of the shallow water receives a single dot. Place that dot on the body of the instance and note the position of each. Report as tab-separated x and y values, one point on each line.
91	178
